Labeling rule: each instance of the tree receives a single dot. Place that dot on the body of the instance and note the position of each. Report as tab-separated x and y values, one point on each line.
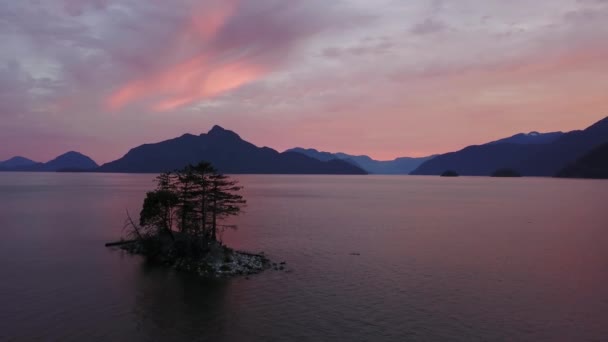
224	200
159	207
191	201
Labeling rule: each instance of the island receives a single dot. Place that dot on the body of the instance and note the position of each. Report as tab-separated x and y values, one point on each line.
450	173
506	173
180	224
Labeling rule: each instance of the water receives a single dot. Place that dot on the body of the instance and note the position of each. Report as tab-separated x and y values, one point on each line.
461	259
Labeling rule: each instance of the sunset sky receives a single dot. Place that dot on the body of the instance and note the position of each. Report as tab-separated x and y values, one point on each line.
386	78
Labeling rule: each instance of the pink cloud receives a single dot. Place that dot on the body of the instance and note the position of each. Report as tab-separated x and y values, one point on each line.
344	75
202	77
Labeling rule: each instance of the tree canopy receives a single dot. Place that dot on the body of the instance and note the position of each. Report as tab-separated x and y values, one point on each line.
192	202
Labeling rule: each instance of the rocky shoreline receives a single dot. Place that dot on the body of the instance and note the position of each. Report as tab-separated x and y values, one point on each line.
219	262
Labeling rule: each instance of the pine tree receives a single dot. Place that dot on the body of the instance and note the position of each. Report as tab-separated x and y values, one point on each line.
192	201
224	200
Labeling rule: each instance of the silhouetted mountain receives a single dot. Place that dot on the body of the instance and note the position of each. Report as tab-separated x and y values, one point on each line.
568	148
17	161
397	166
70	160
227	152
531	138
534	159
592	165
311	152
478	160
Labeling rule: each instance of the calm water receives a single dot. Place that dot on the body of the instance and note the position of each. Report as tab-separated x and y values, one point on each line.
460	259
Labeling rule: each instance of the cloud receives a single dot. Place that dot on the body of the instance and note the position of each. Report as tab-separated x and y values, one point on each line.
222	46
78	7
116	73
429	26
13	91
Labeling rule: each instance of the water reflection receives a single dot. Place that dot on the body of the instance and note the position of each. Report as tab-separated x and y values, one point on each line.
462	259
176	305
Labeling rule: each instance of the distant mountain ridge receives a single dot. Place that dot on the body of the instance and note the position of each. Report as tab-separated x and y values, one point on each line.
397	166
531	138
227	152
71	160
530	156
16	161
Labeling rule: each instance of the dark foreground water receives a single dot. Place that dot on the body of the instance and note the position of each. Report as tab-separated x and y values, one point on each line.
465	259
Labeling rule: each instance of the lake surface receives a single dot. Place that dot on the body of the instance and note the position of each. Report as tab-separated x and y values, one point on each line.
458	259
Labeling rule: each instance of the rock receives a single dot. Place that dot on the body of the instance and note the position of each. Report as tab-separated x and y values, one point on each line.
220	262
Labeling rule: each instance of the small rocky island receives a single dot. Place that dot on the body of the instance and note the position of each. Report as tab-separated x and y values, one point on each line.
506	173
450	173
180	224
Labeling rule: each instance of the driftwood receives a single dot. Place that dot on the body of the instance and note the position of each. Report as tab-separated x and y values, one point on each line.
134	230
261	255
130	223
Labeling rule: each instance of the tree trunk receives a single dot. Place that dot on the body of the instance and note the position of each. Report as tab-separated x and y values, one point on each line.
214	224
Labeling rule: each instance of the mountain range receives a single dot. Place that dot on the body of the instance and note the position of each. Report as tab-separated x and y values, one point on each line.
532	138
534	154
227	152
67	161
572	154
398	166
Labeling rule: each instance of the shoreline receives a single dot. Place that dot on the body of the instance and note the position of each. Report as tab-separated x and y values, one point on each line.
220	262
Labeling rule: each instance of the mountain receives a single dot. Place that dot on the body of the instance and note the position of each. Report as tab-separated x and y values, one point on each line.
227	152
67	161
568	148
592	165
70	160
531	138
17	161
392	167
311	152
480	160
529	159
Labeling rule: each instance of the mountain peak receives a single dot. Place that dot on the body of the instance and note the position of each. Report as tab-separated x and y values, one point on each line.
71	159
72	154
219	131
227	152
19	159
16	161
217	128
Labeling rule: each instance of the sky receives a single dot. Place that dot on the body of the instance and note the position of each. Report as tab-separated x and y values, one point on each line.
385	78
